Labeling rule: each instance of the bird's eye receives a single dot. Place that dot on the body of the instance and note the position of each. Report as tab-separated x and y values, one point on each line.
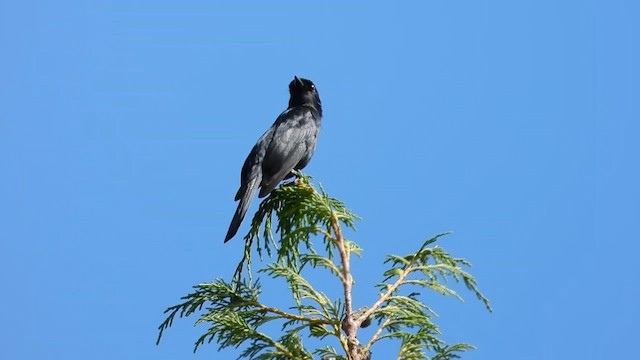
313	87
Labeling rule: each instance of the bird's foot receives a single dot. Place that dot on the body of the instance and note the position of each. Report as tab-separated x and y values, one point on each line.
301	179
299	175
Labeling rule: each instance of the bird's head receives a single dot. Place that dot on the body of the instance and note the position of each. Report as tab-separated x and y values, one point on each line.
303	91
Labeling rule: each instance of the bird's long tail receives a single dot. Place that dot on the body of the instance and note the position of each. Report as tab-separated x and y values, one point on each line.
243	206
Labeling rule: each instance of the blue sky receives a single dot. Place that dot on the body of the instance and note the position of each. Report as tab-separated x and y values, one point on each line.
123	127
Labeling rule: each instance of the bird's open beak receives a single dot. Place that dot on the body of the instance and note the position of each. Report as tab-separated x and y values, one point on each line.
298	81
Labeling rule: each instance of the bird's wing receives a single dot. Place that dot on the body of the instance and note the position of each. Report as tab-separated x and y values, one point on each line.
295	131
252	166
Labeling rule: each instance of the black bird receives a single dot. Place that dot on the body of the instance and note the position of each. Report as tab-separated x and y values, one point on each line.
288	145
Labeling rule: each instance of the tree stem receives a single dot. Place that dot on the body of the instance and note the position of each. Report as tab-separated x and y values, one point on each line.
351	328
390	290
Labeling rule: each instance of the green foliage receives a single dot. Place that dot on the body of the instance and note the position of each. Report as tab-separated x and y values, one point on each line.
305	217
301	212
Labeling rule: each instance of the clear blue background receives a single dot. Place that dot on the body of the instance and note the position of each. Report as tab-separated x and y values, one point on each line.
123	127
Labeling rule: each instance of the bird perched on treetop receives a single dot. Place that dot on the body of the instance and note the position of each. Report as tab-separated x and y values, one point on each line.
288	145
